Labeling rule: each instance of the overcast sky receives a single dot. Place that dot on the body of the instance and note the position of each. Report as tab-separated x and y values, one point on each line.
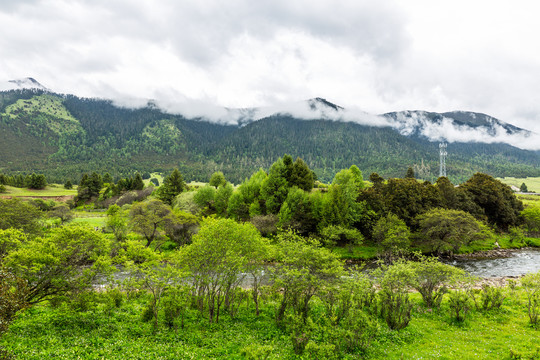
379	56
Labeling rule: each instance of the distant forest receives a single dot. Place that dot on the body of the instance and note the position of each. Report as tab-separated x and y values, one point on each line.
64	136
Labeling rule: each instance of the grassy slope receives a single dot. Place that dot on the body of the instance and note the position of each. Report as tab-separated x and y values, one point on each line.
533	183
53	190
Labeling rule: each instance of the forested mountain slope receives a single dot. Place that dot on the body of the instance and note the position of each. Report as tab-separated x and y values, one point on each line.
64	136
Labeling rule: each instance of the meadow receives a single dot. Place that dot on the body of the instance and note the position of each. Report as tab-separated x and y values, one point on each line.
92	326
533	183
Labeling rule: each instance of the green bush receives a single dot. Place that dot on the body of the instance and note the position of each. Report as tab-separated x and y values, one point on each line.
459	303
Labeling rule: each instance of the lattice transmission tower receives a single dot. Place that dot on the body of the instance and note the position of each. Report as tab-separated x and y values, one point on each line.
442	157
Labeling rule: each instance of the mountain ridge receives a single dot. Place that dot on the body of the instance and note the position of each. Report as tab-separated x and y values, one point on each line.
68	135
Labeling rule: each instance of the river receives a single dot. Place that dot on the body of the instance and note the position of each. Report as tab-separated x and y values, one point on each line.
518	262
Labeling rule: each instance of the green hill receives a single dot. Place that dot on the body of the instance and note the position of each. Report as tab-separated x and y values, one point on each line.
65	136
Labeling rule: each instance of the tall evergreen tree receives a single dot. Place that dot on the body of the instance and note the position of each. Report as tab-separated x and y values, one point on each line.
137	183
171	187
301	175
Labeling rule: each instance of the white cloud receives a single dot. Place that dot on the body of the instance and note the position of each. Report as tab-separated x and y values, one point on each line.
378	56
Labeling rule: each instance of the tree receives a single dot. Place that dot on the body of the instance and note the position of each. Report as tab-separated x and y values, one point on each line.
138	183
13	294
303	268
275	188
17	214
446	231
301	175
62	212
531	284
407	198
204	198
429	277
221	200
498	201
217	179
221	252
68	185
393	235
150	219
171	187
523	188
182	228
410	174
296	212
247	200
89	187
35	181
67	260
10	240
531	215
117	222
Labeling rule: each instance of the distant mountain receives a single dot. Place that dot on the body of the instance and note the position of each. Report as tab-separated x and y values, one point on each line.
64	136
28	83
416	123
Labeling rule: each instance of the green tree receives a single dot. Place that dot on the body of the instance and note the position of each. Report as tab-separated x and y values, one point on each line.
62	212
446	231
407	198
138	183
275	188
68	185
13	294
301	175
204	198
89	187
531	284
302	270
171	187
393	236
523	188
217	179
430	277
150	219
218	258
117	222
221	200
339	236
182	228
68	259
35	181
498	201
296	212
17	214
247	200
410	174
10	239
531	215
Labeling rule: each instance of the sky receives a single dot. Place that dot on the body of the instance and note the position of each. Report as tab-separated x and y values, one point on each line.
377	56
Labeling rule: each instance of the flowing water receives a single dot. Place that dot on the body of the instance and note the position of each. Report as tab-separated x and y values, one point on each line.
518	262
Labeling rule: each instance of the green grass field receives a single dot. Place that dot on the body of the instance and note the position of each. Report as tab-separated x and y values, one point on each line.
53	190
89	328
533	183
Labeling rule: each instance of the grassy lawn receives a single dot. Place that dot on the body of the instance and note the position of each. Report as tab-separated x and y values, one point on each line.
53	190
93	218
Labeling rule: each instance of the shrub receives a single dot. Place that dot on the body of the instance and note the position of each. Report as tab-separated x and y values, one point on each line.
531	284
257	352
459	303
